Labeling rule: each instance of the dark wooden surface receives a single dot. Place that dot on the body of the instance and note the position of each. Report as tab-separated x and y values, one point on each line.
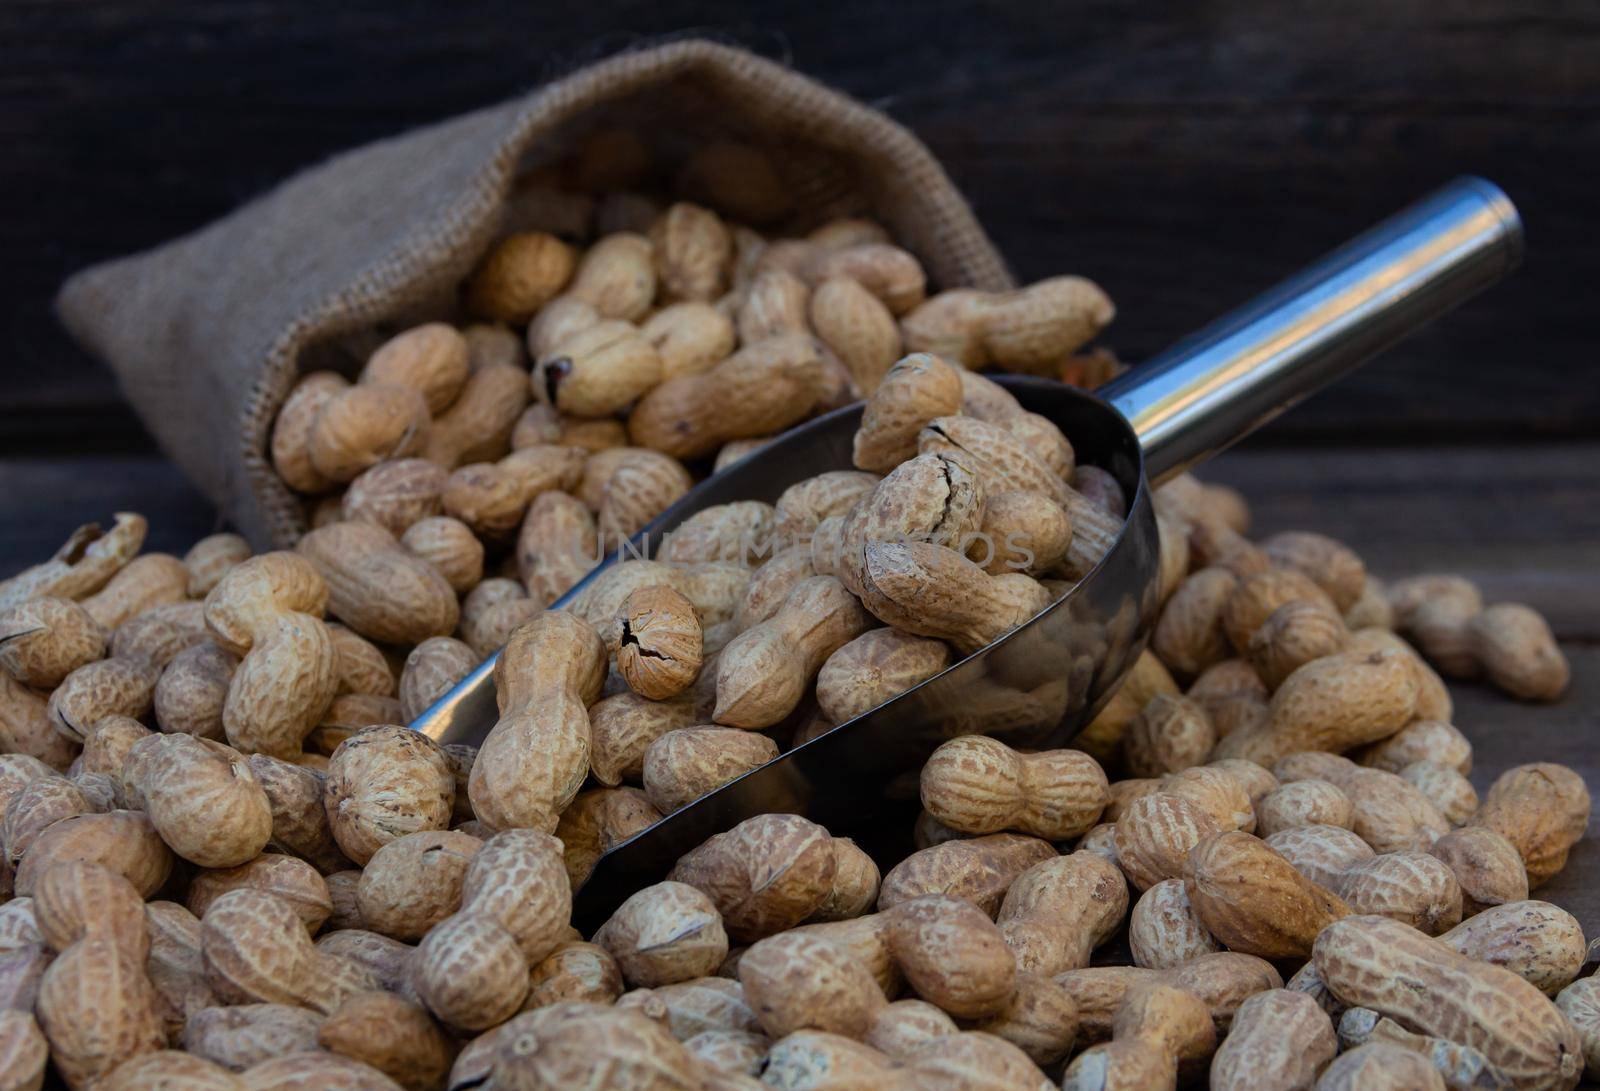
1185	155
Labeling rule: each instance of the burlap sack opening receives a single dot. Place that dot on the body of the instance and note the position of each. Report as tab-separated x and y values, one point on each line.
208	333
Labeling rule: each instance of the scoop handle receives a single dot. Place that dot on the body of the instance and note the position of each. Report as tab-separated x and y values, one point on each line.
1218	385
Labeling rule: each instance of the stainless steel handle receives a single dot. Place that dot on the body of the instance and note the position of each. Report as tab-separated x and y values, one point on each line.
1222	383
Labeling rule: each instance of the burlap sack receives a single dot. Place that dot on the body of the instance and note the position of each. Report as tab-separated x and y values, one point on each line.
207	334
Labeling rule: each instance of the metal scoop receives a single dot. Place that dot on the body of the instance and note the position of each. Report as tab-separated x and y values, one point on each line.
1041	683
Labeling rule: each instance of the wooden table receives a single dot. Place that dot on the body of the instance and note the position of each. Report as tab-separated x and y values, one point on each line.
1522	521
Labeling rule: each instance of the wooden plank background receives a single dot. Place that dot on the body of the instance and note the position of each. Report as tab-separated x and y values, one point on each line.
1184	155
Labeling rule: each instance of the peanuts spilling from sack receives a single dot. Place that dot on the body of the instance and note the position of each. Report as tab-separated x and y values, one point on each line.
227	865
612	337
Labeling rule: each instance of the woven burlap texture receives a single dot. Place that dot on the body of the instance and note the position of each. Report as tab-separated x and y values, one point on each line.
206	334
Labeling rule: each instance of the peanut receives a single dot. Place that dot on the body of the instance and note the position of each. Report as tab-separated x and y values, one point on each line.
392	1036
574	971
1423	984
663	934
1280	1041
1232	695
294	881
413	882
105	751
656	638
1334	703
1422	740
980	785
690	338
1303	803
395	494
450	547
1155	834
519	275
1436	611
1450	792
243	1035
491	611
535	758
1542	809
1021	532
479	426
104	688
765	875
643	484
693	1007
1578	1002
1487	867
1518	652
256	949
1458	1066
979	870
95	1004
300	825
492	497
857	328
874	667
952	954
1321	853
761	389
1295	634
431	670
1190	636
575	1045
1059	910
763	673
930	590
1381	1066
1333	566
1163	929
44	640
598	370
359	426
687	763
1253	900
123	841
914	392
377	588
557	545
803	506
1222	981
798	982
1171	733
202	798
269	607
1405	886
383	783
84	563
932	498
1388	813
472	969
26	729
1539	942
598	820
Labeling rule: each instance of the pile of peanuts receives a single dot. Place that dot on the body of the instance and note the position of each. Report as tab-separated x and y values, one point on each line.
226	864
611	338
